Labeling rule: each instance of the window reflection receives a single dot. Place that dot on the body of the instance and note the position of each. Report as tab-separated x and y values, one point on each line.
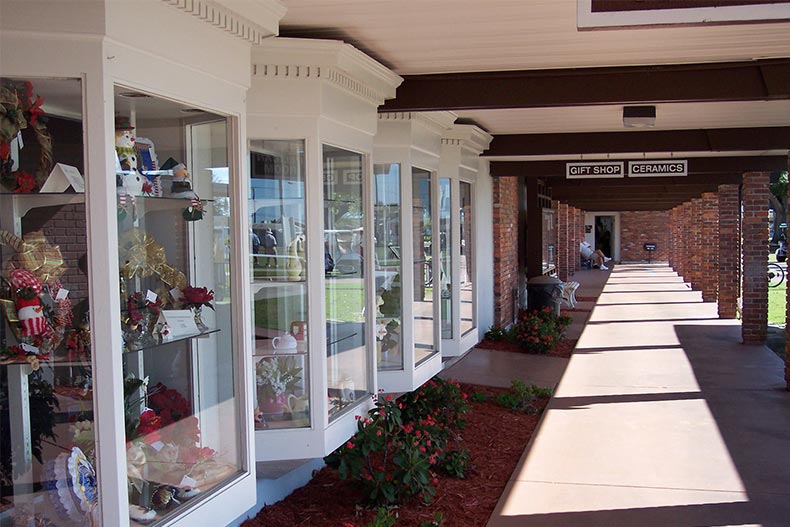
387	203
344	254
278	247
467	259
445	257
422	238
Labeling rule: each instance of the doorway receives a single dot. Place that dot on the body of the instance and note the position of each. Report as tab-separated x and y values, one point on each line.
604	234
602	231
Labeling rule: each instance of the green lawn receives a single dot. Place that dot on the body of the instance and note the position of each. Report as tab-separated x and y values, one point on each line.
777	304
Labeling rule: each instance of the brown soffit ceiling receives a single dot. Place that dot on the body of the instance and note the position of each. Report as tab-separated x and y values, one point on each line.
714	140
729	81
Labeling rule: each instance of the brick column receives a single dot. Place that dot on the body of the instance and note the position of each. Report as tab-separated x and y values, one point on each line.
573	250
787	326
710	245
505	197
695	244
729	250
684	229
564	230
674	237
582	235
754	316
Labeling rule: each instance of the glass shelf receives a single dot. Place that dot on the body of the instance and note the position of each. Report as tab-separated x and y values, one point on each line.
146	347
30	194
164	198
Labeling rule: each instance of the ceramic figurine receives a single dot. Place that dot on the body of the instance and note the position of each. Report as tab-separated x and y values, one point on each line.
181	186
131	179
30	313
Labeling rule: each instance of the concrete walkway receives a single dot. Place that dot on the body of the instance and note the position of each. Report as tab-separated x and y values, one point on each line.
662	418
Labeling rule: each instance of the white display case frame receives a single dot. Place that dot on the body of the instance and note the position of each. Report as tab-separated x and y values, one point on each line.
323	93
105	49
413	140
462	145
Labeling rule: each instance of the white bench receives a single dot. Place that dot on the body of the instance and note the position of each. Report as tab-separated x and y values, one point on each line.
569	293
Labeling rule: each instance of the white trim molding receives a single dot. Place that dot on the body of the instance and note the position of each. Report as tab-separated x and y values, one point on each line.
334	61
250	20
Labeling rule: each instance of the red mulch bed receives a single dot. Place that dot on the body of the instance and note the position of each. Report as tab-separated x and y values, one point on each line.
495	437
563	350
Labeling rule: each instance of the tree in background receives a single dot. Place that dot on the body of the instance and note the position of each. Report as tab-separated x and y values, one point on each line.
778	199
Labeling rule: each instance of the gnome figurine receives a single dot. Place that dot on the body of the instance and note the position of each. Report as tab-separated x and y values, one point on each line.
30	313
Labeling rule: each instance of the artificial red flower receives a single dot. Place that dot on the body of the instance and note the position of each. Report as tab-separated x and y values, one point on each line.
35	110
197	296
25	182
5	150
149	426
148	188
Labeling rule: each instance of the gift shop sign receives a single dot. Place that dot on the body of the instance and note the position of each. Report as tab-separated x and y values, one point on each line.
674	167
595	169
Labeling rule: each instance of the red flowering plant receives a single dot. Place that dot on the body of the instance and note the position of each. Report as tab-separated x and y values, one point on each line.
397	448
193	297
539	331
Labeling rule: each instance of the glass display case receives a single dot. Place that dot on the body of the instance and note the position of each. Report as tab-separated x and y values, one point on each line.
467	264
389	287
46	375
345	232
278	245
318	322
174	212
424	264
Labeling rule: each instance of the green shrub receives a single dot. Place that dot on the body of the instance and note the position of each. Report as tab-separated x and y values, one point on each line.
384	518
437	520
455	463
396	448
539	331
497	333
478	397
521	397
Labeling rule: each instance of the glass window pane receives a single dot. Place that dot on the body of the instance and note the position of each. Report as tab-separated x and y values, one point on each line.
467	260
46	376
387	203
446	257
422	227
344	253
278	245
174	231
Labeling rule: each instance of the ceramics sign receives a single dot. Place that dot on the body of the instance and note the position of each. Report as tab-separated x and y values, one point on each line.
672	168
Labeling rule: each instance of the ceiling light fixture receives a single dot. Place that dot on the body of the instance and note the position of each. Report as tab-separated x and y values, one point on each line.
133	95
639	116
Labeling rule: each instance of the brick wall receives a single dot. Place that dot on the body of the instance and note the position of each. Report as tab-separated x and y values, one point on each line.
710	245
754	319
564	236
65	226
640	227
729	250
505	197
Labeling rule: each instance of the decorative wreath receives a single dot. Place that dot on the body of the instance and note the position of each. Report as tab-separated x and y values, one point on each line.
18	111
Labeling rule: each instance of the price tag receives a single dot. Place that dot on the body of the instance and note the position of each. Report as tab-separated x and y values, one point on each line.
63	294
175	293
158	445
187	483
63	177
151	297
180	322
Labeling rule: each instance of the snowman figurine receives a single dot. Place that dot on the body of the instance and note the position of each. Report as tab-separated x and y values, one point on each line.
30	313
131	179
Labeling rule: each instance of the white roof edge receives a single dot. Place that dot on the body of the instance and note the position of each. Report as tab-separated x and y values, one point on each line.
265	13
328	54
471	136
439	120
